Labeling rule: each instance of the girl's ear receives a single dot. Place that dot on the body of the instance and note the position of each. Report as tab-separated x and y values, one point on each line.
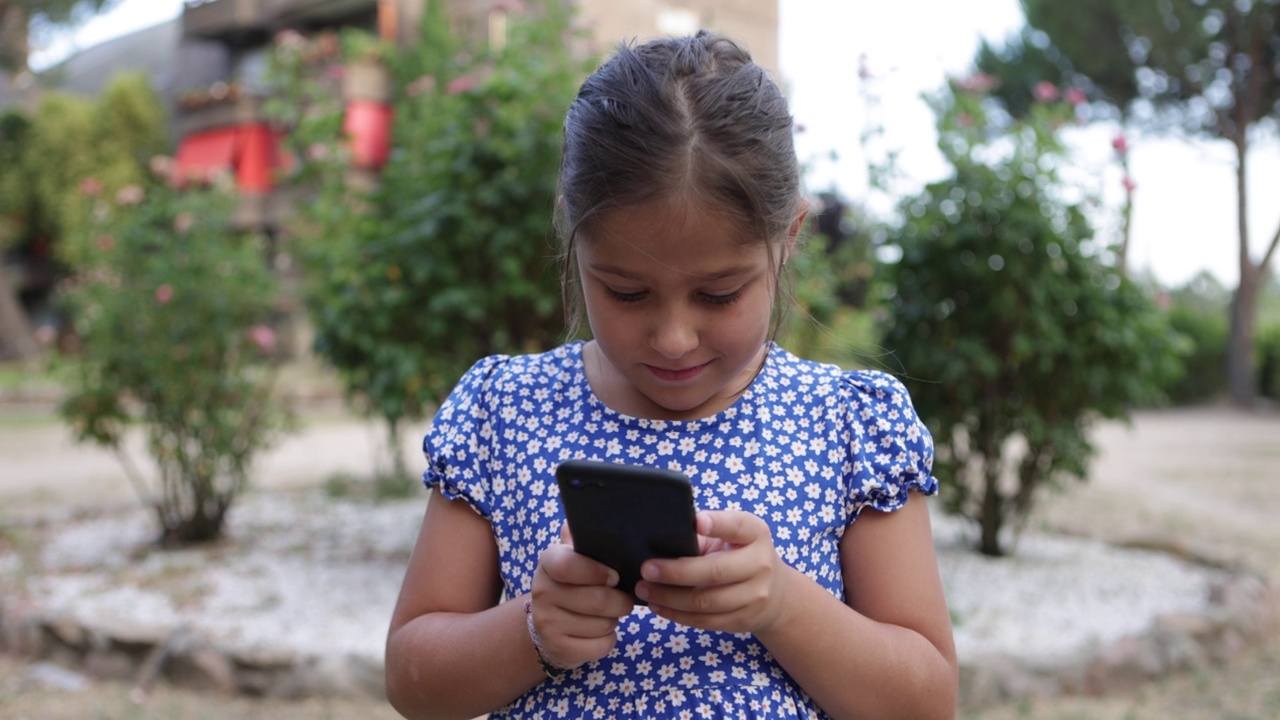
793	233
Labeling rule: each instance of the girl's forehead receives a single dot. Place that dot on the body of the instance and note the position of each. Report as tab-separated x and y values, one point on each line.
677	216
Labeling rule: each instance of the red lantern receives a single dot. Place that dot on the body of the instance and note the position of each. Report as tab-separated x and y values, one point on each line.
368	128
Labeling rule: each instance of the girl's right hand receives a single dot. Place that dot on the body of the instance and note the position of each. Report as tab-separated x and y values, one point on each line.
576	605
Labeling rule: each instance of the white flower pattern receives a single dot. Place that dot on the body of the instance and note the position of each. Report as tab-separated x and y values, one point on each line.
806	447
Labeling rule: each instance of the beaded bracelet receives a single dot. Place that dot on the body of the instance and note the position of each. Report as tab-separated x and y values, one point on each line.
552	670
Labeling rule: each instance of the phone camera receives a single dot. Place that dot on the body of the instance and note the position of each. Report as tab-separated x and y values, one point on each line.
575	482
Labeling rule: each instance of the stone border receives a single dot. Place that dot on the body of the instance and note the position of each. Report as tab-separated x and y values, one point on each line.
1244	610
182	657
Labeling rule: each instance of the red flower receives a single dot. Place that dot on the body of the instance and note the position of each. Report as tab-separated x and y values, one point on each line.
1129	184
1045	92
91	186
106	242
1120	144
164	294
1075	96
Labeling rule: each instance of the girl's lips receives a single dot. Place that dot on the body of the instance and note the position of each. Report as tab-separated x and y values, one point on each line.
676	375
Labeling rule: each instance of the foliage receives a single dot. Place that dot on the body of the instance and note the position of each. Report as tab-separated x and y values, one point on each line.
1197	315
1209	67
19	17
74	143
450	256
170	306
1014	328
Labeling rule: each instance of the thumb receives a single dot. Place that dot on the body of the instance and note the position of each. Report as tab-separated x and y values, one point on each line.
566	538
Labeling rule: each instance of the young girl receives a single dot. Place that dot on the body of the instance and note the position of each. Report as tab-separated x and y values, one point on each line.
816	593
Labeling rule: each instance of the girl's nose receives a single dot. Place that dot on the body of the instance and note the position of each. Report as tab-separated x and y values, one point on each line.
674	335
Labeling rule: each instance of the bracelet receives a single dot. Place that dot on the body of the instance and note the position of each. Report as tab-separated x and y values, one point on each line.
552	670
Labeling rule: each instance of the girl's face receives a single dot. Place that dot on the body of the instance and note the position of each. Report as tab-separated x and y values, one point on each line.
679	300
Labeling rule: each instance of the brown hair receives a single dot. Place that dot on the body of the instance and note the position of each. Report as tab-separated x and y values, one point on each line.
677	116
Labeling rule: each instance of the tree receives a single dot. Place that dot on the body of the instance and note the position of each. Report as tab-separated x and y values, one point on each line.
17	342
17	17
451	256
54	167
1207	67
1014	329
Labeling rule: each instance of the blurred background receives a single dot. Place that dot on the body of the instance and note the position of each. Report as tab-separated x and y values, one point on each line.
249	245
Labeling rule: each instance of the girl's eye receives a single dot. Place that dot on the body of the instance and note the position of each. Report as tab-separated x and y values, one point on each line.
625	297
722	299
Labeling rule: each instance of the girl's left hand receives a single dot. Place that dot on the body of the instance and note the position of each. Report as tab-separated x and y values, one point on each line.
737	584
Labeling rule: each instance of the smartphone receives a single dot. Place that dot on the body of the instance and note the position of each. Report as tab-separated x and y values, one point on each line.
622	515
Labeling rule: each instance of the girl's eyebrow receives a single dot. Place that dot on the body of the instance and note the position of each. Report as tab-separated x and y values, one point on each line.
710	277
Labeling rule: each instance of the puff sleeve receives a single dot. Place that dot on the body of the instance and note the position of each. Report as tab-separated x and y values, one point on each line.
457	445
890	449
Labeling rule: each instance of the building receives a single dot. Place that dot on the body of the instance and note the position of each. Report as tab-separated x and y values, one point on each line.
221	125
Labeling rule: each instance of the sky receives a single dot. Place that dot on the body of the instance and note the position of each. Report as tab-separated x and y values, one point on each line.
1184	208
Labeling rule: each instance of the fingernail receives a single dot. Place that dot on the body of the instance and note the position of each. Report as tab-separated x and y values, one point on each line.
642	590
648	571
613	579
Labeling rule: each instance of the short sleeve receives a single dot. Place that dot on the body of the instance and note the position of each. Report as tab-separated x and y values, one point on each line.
456	446
891	451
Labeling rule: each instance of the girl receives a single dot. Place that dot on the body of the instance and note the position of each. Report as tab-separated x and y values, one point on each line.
816	593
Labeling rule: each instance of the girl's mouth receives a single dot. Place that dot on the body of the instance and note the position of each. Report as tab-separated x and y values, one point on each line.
676	375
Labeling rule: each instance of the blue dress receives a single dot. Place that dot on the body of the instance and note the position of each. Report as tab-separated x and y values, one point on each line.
806	447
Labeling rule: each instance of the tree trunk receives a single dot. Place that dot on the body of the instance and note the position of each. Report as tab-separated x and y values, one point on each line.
17	342
1241	374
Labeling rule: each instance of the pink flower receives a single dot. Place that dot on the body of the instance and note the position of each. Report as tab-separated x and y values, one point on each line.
183	222
980	83
263	337
460	85
164	294
317	152
130	195
424	84
290	40
1129	184
1075	96
163	167
106	242
1120	144
1045	92
91	186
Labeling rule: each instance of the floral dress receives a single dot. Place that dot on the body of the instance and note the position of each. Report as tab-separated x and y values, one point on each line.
806	448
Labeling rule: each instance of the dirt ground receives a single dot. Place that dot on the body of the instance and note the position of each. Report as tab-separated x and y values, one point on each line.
1204	481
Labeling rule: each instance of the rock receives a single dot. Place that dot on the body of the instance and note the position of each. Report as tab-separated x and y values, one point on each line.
56	677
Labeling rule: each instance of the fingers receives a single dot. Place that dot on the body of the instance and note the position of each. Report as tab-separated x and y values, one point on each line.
567	567
736	586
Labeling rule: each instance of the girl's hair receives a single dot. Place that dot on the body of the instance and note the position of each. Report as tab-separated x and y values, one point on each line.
677	117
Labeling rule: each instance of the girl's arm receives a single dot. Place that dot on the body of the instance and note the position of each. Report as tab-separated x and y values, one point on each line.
454	652
887	653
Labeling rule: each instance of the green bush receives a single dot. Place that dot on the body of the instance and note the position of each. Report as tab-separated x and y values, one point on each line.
170	305
1013	330
451	256
1269	361
1203	336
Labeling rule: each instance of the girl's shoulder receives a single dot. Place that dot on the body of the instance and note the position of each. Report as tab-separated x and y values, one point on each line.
830	379
499	374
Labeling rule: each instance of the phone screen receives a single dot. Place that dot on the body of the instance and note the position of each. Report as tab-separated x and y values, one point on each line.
622	515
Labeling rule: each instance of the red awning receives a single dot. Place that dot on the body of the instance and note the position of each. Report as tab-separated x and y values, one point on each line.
203	154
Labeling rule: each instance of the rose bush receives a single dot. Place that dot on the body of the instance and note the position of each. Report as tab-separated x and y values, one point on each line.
171	306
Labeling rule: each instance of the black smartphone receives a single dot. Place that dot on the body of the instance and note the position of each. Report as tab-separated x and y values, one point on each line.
622	515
